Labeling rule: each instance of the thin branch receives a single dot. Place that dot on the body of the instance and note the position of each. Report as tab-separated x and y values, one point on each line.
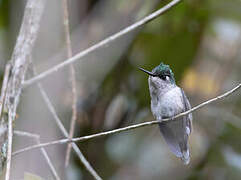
4	86
11	117
19	64
93	136
26	134
72	78
36	137
65	133
102	43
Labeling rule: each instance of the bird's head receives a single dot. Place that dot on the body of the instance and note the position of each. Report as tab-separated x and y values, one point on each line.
161	74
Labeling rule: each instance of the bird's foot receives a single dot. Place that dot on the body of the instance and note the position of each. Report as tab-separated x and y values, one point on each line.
169	118
159	118
172	118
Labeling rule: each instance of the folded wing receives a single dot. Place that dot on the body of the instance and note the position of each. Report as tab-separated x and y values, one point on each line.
176	132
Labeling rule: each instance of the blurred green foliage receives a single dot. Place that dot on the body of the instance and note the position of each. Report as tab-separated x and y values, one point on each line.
4	13
173	38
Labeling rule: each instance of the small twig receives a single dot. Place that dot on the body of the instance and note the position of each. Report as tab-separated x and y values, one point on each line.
84	138
65	133
63	130
102	43
26	134
73	80
36	137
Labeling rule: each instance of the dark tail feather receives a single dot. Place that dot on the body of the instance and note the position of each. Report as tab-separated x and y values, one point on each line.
176	134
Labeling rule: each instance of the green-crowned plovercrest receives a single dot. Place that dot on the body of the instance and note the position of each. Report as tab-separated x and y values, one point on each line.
168	100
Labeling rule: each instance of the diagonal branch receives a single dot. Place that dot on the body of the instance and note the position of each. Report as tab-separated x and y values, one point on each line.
65	133
102	43
72	78
36	137
93	136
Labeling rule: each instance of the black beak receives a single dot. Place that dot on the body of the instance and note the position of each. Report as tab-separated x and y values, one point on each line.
148	72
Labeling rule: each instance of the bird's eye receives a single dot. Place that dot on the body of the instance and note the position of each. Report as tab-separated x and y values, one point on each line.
163	77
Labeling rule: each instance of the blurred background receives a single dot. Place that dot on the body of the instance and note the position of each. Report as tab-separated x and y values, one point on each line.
199	39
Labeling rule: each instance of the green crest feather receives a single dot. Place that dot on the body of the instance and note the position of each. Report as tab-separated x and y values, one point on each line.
164	70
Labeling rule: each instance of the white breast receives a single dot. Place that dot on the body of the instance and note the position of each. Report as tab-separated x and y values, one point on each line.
169	104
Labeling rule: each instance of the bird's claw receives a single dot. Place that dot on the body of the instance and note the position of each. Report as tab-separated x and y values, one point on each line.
159	119
172	118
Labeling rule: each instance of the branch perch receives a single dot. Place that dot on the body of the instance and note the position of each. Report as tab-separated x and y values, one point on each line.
84	138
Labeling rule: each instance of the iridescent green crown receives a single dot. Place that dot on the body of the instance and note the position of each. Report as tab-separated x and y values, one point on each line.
163	70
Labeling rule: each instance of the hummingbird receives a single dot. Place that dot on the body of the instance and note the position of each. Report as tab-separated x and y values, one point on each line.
168	100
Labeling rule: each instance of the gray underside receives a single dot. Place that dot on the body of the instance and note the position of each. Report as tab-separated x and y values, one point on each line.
175	133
